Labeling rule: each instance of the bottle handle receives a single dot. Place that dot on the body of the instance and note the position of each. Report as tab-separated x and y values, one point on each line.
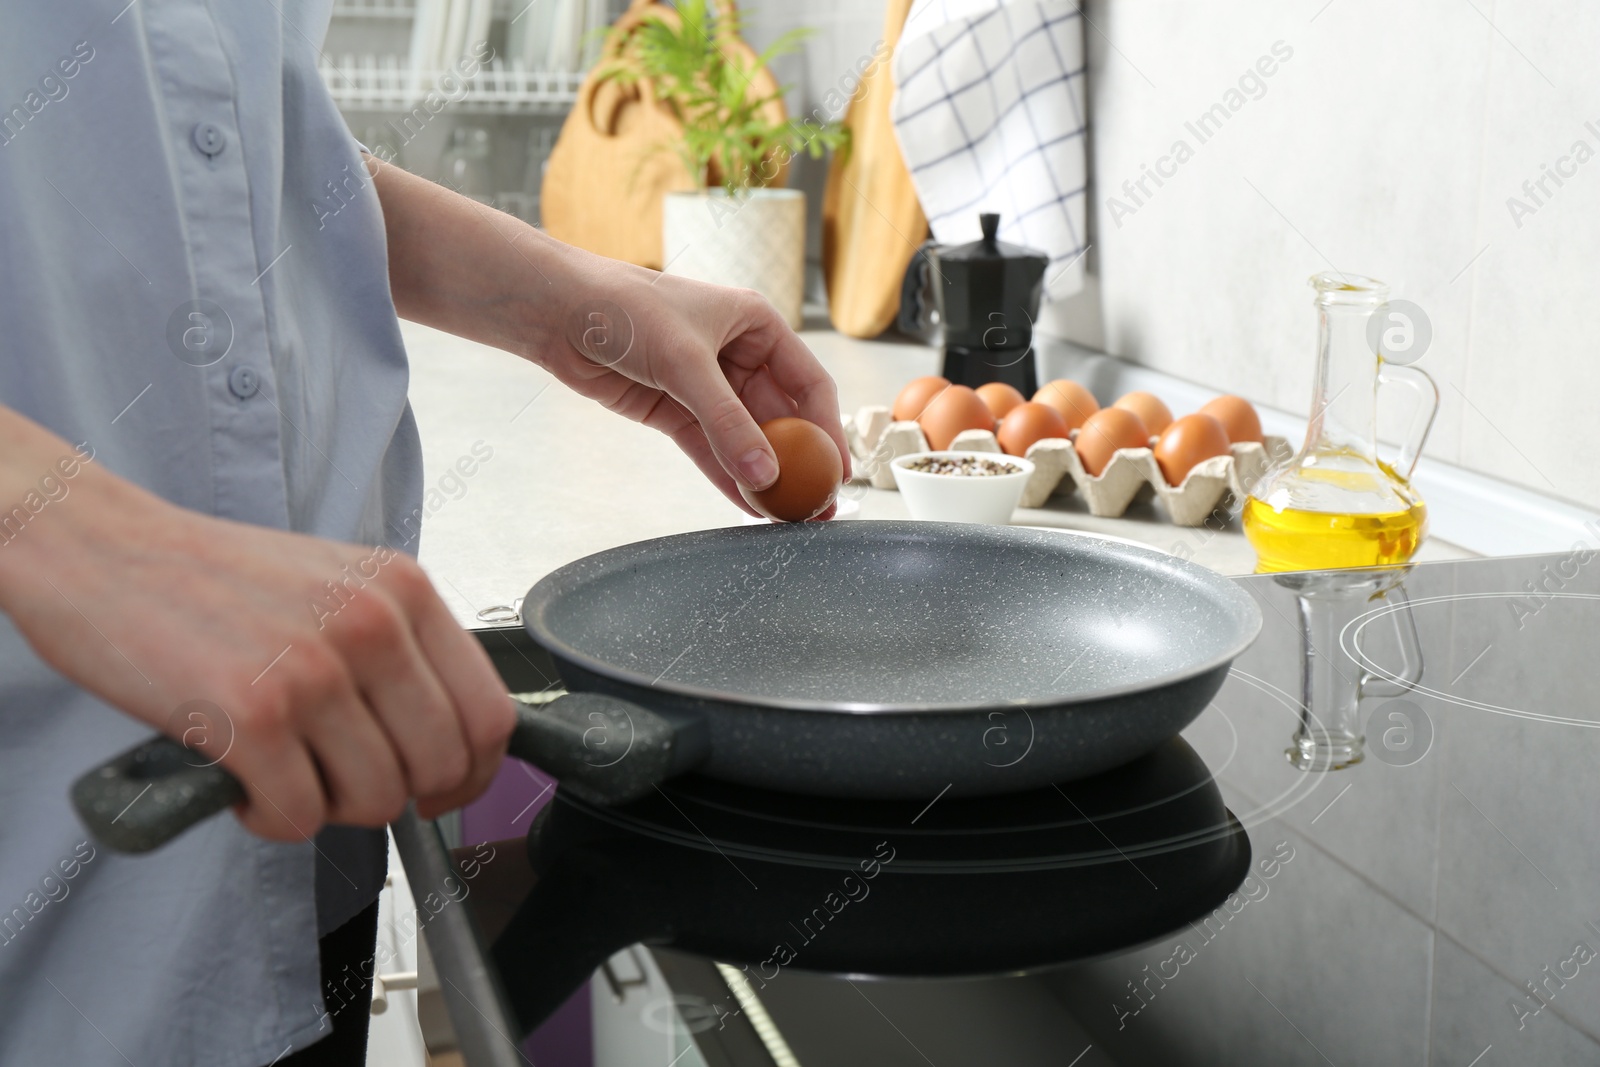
1422	421
1373	684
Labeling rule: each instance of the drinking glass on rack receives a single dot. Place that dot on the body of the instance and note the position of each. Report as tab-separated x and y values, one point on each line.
540	140
464	165
382	143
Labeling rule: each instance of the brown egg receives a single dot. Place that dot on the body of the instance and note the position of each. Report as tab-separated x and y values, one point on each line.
1071	400
1237	416
957	408
1106	431
1187	442
1028	423
1151	411
909	405
1000	398
809	471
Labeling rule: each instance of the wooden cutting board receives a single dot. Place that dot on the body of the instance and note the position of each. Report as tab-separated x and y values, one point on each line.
613	160
872	223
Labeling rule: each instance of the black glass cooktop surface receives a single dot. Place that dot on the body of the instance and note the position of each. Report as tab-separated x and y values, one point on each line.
1255	893
768	880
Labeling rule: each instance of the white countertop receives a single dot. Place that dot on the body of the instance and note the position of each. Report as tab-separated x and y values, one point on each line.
567	478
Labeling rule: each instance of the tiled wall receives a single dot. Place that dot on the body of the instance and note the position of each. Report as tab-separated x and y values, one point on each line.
1388	143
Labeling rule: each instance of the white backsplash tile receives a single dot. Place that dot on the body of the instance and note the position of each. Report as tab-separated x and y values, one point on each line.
1360	152
1387	144
1531	378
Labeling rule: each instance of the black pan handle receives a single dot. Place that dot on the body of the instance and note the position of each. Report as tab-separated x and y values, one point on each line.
151	794
606	750
603	750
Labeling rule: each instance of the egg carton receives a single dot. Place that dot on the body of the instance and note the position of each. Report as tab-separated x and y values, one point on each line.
876	440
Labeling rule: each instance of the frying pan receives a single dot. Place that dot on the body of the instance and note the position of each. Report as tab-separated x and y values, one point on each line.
852	659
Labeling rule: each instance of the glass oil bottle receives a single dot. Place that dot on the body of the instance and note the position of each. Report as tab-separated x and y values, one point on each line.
1335	504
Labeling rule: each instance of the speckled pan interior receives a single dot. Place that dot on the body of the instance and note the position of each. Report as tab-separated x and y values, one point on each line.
891	616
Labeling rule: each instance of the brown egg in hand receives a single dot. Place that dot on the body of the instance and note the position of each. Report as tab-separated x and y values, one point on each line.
1187	442
1106	431
1237	416
952	411
913	399
1074	403
1027	424
809	471
1155	415
999	397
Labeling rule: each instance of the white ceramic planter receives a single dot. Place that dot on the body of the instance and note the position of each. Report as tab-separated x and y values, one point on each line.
754	240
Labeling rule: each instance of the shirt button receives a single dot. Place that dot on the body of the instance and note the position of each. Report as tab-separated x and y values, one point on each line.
209	138
244	382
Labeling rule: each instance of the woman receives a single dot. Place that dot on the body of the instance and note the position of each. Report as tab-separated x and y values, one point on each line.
205	422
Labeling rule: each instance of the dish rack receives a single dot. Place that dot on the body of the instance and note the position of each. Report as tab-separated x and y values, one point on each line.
388	55
367	82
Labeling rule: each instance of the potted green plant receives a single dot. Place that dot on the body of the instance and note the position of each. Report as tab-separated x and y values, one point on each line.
738	226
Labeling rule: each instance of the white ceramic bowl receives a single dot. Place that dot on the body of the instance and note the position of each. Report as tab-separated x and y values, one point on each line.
960	497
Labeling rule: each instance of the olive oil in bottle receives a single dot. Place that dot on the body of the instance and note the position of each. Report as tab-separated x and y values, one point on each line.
1297	540
1335	504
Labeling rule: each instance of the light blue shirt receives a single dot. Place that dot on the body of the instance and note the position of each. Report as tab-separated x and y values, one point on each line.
176	292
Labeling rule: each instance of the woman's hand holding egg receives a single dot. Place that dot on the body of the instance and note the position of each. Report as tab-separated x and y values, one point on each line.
704	364
809	472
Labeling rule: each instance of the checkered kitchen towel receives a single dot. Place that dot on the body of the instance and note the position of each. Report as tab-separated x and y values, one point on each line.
989	112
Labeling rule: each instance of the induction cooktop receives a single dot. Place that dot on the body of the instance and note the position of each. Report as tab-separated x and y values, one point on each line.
938	888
